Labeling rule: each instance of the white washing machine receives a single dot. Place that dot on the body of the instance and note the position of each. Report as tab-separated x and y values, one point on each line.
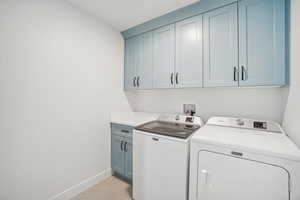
161	157
243	159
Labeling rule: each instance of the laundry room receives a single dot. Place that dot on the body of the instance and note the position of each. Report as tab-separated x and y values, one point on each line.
149	100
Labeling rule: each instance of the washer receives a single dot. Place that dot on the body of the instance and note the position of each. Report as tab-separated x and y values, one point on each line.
234	159
161	157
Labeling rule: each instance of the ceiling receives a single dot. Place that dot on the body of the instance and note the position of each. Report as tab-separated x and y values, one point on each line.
124	14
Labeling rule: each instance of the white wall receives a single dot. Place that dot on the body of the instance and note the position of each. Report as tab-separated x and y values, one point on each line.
60	77
292	113
258	103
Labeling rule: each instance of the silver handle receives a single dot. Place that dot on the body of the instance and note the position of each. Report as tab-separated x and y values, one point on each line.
176	78
155	139
138	81
172	78
134	79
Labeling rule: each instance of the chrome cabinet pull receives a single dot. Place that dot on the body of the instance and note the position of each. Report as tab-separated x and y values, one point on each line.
134	79
176	78
172	78
138	81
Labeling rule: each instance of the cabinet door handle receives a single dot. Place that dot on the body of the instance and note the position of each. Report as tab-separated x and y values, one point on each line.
155	139
172	74
134	85
138	81
234	74
121	145
124	131
176	78
243	73
125	147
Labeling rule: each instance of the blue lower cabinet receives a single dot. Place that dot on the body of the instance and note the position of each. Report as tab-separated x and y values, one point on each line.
121	151
128	159
117	154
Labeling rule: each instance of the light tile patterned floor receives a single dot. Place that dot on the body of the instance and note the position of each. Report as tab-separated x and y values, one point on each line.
109	189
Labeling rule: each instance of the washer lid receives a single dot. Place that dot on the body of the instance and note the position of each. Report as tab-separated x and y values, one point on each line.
275	144
179	130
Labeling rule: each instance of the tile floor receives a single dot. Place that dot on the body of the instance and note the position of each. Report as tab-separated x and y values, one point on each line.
109	189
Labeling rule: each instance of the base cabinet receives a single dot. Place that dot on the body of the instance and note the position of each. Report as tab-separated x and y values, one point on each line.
121	151
117	158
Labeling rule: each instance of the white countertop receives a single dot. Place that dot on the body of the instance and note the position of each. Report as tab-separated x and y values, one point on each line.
132	118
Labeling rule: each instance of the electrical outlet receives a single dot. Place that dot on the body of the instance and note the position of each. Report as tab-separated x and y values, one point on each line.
189	109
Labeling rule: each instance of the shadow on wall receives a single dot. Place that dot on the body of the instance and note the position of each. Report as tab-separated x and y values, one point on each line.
258	103
292	112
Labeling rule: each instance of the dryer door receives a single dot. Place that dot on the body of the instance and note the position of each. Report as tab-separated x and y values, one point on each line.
223	177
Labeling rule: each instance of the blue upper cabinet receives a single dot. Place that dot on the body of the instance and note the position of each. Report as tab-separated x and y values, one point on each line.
163	57
139	62
220	32
130	63
225	43
189	62
262	42
144	69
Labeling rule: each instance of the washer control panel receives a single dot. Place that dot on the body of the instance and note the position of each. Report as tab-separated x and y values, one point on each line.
260	125
190	120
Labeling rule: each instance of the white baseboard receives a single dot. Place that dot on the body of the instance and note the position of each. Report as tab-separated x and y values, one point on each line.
80	187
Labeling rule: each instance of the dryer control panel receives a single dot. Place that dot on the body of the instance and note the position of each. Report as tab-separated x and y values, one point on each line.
268	126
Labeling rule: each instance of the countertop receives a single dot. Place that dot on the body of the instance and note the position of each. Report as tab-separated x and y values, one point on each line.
132	118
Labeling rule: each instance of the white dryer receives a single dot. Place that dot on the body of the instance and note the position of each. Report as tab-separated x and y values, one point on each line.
234	159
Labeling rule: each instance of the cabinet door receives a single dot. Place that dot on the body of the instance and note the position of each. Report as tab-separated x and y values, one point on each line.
221	47
163	58
128	159
131	61
226	177
189	60
117	154
262	42
145	61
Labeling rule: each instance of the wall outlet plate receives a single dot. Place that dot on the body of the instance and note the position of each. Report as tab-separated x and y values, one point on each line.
189	109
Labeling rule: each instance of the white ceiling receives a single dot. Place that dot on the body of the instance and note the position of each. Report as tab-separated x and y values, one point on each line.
124	14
